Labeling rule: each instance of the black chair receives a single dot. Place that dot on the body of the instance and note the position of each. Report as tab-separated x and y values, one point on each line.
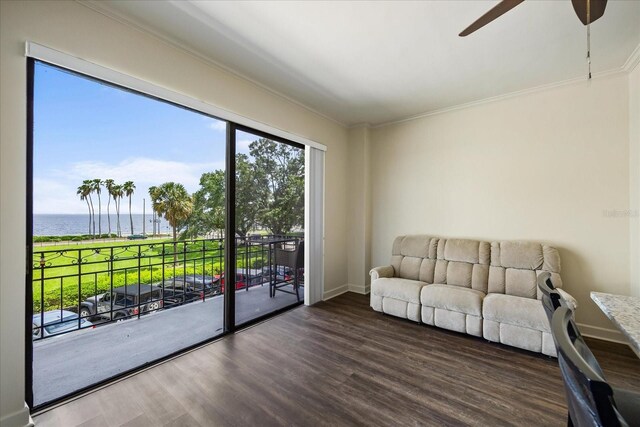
292	259
591	400
551	298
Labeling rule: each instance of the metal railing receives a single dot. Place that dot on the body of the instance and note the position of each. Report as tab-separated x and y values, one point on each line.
81	287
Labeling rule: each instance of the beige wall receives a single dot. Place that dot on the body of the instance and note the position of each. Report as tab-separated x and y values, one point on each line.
634	177
543	166
80	31
359	216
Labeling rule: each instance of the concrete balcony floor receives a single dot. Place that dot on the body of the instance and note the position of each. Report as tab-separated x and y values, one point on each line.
67	363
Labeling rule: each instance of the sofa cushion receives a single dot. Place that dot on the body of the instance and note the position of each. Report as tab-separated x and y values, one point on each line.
524	255
521	283
414	245
513	310
463	262
400	289
410	268
461	250
459	274
426	270
452	298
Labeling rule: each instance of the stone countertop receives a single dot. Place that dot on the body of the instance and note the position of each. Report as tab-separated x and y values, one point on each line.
624	312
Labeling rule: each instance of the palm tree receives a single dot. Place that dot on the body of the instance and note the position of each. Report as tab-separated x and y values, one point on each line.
154	192
83	192
87	184
97	187
172	201
128	188
108	184
116	193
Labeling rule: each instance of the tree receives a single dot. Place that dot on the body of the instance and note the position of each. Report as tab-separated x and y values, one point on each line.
128	188
173	202
209	210
116	193
283	169
87	185
83	191
208	215
154	194
96	185
108	184
252	194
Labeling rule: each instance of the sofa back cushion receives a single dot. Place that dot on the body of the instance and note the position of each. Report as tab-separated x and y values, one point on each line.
515	267
463	262
413	257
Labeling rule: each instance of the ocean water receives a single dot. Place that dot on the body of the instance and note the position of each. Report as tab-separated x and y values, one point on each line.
64	224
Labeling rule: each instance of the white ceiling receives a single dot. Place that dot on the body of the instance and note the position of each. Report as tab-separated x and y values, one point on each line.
375	62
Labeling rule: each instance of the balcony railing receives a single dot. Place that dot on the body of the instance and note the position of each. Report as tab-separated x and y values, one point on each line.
83	287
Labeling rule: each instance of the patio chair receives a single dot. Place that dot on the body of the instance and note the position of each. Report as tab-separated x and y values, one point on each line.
293	259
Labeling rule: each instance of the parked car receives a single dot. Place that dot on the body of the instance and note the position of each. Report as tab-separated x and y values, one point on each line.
136	237
244	277
206	285
184	289
57	322
282	273
123	302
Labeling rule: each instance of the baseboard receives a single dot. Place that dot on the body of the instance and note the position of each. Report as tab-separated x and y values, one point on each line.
335	292
604	334
359	289
20	418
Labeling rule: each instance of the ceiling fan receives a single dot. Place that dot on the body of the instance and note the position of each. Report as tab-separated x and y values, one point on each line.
587	10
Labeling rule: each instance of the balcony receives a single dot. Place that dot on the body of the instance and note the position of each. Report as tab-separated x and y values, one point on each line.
117	324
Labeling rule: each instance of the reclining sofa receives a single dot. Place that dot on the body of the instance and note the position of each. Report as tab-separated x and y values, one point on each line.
479	288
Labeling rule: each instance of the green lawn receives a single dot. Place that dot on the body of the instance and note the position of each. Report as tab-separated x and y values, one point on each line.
74	272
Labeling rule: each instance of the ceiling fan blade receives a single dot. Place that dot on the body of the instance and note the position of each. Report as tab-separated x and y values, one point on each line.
498	10
597	9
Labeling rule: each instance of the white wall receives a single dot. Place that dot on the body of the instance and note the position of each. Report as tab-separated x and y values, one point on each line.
73	28
634	177
543	166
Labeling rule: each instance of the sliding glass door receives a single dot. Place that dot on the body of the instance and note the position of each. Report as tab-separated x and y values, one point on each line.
153	228
269	225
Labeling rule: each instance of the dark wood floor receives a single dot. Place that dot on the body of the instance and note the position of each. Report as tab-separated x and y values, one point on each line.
341	363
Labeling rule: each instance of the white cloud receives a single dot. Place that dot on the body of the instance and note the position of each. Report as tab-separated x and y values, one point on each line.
56	197
217	125
242	145
57	193
143	171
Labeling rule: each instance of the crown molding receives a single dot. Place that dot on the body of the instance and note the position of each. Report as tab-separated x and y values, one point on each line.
360	125
633	60
510	95
630	64
100	8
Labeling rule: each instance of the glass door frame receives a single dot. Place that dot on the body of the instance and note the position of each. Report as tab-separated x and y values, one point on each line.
230	227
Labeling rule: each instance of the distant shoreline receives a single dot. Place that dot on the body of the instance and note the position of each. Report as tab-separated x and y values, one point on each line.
58	225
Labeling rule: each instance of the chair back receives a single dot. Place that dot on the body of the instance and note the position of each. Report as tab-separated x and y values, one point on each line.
589	397
550	296
292	258
300	255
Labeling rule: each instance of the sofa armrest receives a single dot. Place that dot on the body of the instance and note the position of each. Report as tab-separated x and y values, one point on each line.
571	301
378	272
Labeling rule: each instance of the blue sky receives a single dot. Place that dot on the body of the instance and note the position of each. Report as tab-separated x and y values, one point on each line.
84	130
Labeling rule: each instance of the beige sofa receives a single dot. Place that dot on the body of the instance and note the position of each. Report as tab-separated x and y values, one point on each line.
478	288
